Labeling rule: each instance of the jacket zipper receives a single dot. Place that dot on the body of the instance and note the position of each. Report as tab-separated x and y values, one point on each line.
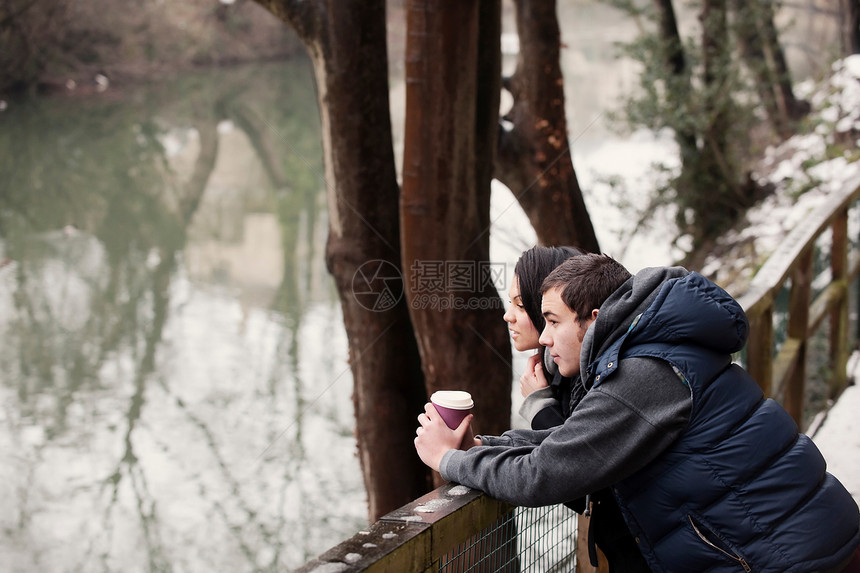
736	557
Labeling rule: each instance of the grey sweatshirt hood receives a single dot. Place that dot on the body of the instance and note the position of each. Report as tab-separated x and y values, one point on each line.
622	307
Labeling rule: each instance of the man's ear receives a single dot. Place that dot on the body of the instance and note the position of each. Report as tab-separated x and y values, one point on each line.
594	313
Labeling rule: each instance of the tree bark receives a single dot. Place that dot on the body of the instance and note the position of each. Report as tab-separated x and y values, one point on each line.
673	52
752	52
792	108
347	45
679	87
455	310
534	155
714	195
850	26
759	42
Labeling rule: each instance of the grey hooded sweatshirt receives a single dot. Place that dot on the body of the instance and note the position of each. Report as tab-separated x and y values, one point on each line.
615	430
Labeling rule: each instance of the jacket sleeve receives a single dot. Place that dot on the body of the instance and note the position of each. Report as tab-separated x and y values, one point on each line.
542	410
618	427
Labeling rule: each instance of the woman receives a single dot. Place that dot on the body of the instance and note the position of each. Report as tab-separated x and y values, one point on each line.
547	393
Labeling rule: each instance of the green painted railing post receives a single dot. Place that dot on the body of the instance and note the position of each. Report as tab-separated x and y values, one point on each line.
799	301
839	314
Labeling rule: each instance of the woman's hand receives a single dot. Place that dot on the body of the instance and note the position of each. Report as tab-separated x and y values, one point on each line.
533	378
434	438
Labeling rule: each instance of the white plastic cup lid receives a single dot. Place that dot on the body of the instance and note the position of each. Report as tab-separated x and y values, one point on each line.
454	399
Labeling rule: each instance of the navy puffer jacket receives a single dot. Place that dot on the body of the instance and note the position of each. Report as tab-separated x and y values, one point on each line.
741	489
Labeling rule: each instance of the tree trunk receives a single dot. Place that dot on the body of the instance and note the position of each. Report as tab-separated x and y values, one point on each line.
347	44
850	19
790	108
679	86
487	99
673	50
753	53
794	108
711	194
456	311
534	155
715	74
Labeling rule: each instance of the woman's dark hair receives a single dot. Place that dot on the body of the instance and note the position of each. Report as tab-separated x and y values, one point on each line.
533	266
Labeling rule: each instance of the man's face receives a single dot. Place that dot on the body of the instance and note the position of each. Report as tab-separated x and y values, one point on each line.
563	334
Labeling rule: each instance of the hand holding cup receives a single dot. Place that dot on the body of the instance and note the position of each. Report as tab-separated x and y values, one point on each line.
444	426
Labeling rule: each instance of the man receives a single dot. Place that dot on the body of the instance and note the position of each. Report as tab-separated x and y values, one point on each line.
708	474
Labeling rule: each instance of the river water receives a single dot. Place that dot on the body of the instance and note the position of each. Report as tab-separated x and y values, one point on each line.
174	386
174	391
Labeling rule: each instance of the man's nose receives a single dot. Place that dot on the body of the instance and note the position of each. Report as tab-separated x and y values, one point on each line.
545	338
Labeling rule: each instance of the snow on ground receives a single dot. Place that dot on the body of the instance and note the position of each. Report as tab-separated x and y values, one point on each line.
838	437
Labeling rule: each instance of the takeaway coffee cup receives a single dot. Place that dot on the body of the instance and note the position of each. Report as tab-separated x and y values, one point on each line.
452	405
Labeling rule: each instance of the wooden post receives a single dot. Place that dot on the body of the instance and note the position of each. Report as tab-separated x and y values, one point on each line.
760	349
839	314
798	321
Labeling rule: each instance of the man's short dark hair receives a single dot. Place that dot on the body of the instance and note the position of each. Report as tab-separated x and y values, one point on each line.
533	266
586	281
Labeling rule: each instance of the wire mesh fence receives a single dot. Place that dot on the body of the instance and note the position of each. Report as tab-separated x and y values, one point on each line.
525	540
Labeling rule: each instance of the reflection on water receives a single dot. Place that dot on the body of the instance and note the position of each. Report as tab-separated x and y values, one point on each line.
174	394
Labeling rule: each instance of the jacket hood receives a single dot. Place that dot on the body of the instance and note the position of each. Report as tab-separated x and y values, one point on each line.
669	305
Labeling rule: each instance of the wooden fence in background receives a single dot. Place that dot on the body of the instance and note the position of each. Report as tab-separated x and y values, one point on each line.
783	374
